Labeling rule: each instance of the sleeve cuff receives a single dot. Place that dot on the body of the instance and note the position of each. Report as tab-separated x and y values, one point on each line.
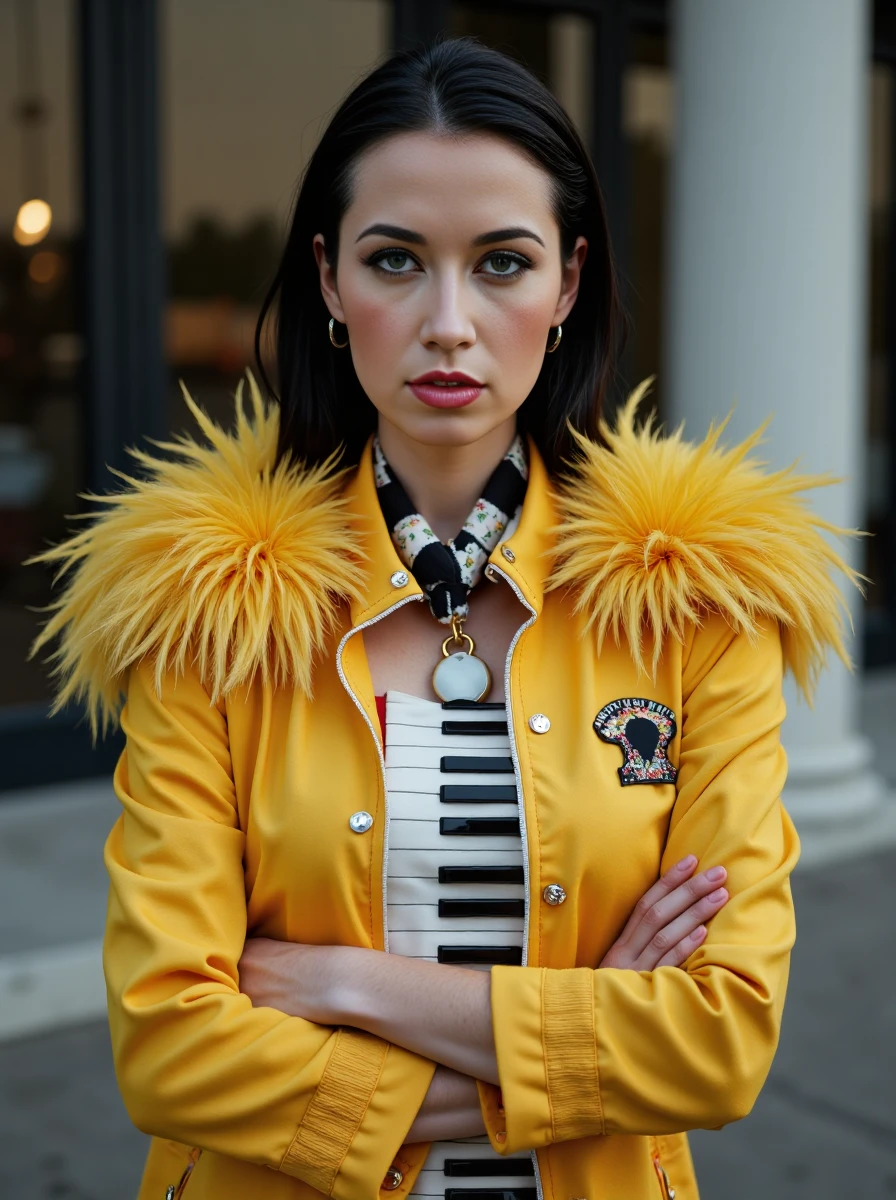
367	1100
545	1041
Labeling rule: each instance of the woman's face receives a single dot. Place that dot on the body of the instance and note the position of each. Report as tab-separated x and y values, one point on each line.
449	262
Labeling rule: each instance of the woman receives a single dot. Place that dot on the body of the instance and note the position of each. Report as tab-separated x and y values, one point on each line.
579	749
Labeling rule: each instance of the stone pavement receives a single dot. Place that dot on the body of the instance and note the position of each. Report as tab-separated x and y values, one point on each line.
823	1129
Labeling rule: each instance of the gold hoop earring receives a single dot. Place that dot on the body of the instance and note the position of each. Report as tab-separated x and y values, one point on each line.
556	342
338	345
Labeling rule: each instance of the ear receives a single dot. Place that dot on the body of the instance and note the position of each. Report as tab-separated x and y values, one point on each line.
569	286
327	271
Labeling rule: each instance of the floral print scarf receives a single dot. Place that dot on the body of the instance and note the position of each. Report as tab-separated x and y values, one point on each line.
448	572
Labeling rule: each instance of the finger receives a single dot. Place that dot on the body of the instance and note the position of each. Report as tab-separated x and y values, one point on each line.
673	932
666	884
668	907
680	953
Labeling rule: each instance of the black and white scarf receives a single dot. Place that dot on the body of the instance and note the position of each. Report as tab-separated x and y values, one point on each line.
448	573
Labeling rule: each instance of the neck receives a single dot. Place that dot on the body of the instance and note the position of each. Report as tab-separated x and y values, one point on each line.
444	482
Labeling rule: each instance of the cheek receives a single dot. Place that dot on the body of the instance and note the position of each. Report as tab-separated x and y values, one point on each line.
516	334
518	322
375	322
380	331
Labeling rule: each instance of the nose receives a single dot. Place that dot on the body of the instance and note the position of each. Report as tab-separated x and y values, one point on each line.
448	321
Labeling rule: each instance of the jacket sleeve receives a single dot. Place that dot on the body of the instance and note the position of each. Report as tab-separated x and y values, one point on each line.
195	1061
583	1052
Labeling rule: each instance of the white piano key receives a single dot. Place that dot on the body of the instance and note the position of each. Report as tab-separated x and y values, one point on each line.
425	917
415	746
411	890
424	835
426	942
428	806
418	861
426	758
412	710
403	740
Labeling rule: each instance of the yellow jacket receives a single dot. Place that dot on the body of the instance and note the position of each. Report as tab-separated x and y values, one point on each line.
225	600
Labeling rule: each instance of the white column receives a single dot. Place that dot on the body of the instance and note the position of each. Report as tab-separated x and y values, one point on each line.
766	299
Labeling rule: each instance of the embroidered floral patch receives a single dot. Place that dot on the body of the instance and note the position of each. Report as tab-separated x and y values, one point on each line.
642	729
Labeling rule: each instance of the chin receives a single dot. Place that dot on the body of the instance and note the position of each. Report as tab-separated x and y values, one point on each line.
447	427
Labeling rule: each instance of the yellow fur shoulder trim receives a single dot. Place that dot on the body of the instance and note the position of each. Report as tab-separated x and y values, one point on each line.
656	531
215	557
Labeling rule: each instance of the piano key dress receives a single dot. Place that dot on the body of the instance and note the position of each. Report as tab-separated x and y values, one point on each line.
454	884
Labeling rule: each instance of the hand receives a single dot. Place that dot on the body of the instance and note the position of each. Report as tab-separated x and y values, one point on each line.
295	978
666	925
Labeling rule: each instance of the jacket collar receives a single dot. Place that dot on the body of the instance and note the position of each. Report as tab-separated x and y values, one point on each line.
525	558
221	556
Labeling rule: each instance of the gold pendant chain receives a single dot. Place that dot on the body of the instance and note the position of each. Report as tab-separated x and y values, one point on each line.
457	637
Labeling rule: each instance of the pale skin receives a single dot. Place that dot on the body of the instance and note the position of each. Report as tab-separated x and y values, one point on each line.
441	291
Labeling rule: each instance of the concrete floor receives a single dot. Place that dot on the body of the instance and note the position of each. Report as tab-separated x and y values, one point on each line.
825	1125
823	1129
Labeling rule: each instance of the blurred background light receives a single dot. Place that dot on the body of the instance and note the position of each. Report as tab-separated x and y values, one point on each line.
44	267
32	222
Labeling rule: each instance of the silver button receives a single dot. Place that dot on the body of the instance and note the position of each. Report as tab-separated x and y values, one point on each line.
508	554
539	723
360	822
399	579
393	1179
554	894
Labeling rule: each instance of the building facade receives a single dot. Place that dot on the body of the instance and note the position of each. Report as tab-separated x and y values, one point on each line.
747	156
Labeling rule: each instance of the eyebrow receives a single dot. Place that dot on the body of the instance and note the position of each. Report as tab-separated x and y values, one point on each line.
393	231
417	239
506	235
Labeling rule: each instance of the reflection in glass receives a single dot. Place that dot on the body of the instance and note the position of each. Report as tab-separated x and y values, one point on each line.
246	91
41	344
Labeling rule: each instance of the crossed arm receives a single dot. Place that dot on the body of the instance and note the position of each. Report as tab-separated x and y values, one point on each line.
444	1012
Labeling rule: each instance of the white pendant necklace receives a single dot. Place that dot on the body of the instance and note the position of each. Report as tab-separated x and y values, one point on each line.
460	675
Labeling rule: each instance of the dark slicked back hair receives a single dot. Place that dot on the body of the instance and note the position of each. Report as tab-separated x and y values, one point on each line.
455	87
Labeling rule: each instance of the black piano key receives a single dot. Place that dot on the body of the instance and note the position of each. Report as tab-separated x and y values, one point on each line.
488	1166
479	826
482	908
510	956
474	705
486	793
491	1193
474	728
481	875
452	763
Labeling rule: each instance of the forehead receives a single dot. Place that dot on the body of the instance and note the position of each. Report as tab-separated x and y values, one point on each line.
446	183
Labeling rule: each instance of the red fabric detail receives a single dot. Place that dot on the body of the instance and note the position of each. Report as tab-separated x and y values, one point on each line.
381	710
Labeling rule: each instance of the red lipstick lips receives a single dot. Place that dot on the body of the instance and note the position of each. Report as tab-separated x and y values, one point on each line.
446	389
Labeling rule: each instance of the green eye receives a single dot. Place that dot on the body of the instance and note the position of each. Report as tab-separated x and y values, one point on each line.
395	260
503	264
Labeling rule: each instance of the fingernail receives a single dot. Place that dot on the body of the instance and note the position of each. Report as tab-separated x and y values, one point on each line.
689	861
718	894
698	933
716	873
